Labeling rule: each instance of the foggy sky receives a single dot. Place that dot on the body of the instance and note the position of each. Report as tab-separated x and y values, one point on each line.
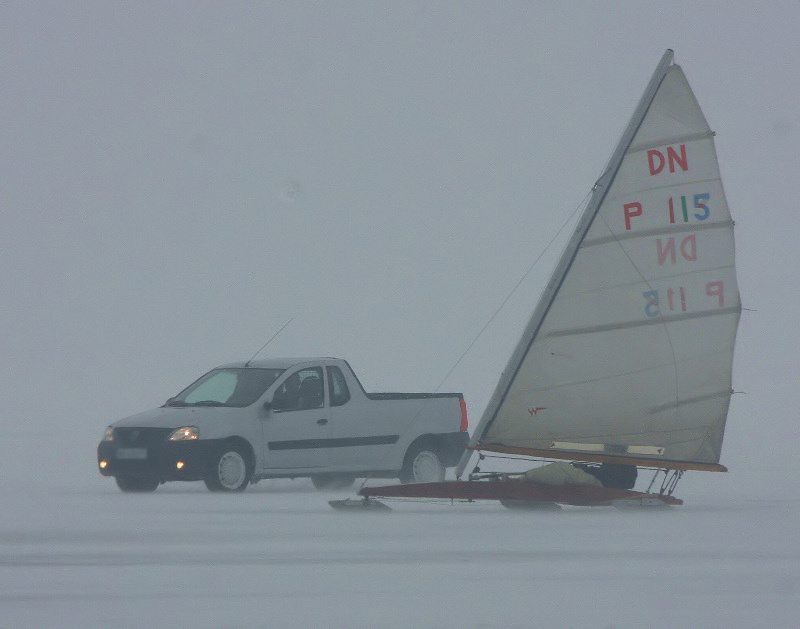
179	179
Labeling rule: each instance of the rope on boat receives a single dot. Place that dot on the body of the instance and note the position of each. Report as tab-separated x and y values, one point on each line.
502	304
514	289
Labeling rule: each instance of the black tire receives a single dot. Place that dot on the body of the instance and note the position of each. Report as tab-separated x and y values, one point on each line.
333	481
132	484
230	470
422	464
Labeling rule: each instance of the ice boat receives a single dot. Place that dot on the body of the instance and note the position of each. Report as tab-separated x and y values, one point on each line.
627	357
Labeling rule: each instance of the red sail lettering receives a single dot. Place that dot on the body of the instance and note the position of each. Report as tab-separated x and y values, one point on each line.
667	250
674	158
631	210
664	251
655	166
716	289
656	160
689	248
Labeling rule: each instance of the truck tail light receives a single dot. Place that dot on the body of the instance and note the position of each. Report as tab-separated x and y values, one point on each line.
464	421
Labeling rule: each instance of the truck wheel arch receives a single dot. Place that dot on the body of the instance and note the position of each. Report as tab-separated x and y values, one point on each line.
247	448
432	442
421	443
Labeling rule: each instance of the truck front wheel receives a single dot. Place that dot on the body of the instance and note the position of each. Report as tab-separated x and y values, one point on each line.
422	465
229	470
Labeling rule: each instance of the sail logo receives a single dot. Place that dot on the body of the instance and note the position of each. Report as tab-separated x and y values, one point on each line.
657	161
535	410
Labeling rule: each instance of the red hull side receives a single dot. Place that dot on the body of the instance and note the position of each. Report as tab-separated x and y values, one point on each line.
578	495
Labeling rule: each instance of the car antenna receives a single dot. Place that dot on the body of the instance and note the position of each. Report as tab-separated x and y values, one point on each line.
271	338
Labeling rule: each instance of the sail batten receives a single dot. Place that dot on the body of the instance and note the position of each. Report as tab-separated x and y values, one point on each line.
639	281
610	376
678	138
588	457
667	186
695	400
661	231
634	334
638	323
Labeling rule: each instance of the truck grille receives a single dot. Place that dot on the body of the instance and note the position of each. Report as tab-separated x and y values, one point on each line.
141	437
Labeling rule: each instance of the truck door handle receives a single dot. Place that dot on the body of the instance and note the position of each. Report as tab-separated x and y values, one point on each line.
322	421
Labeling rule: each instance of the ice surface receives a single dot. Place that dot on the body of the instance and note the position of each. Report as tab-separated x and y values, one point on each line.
278	555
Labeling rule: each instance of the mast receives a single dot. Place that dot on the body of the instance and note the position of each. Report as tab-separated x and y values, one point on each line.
568	256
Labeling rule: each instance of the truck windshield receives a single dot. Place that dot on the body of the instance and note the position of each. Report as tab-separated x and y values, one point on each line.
227	387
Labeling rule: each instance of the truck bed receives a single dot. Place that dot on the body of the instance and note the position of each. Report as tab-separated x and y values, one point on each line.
409	396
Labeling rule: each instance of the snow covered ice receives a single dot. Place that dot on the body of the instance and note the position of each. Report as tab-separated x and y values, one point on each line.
277	555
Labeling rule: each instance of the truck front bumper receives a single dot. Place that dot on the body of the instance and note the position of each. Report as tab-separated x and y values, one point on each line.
167	461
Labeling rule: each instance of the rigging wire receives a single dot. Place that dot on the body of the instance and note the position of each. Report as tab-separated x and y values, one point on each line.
508	297
514	289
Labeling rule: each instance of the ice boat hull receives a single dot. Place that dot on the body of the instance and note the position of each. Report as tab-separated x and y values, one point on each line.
518	490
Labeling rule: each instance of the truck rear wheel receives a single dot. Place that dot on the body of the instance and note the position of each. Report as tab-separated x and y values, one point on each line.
230	470
332	482
132	484
422	465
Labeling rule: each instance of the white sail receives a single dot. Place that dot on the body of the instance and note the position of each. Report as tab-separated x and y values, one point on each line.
629	354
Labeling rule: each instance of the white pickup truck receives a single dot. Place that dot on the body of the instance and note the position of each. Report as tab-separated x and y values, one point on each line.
285	418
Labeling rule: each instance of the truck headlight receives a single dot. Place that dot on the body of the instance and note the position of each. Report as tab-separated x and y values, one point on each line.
108	435
185	433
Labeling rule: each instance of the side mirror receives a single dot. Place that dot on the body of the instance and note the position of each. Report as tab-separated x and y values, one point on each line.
267	405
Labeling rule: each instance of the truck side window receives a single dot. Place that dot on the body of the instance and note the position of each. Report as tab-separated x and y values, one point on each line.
301	391
337	385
